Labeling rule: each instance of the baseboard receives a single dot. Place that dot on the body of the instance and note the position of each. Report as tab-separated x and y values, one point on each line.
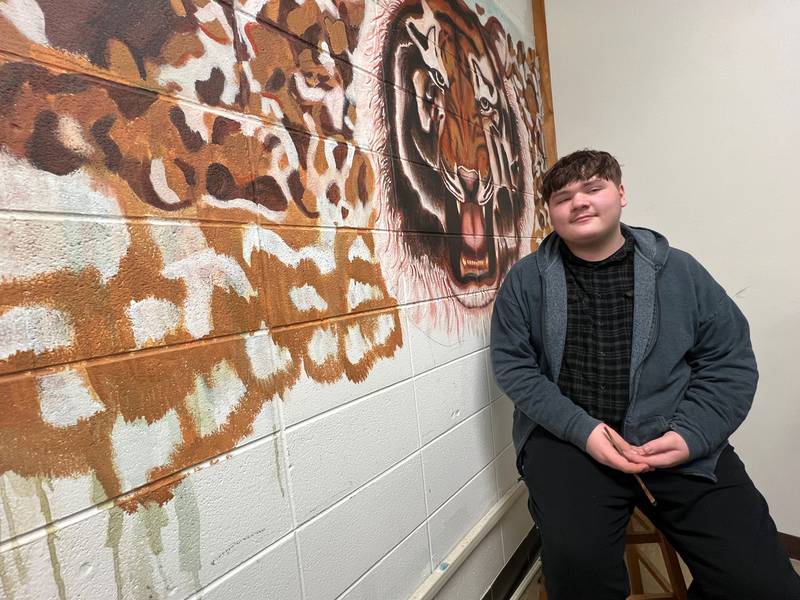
515	569
792	544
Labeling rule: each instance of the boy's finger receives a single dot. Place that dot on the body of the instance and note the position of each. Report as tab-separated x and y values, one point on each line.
635	468
637	458
657	446
620	463
630	453
664	459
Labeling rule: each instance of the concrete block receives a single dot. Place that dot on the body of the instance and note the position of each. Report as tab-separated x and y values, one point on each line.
460	513
341	544
397	574
515	525
506	466
384	362
502	420
337	452
449	394
272	574
432	347
477	573
455	457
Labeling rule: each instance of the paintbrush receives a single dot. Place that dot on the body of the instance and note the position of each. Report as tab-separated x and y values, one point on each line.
647	493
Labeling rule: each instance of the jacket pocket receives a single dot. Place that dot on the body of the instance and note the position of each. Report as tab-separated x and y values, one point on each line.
649	429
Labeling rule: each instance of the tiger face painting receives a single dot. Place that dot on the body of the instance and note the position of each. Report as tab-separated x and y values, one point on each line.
457	153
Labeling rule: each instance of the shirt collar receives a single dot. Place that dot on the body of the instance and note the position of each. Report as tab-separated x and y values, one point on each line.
621	254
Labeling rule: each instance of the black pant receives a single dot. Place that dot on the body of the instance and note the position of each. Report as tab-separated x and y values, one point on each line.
722	530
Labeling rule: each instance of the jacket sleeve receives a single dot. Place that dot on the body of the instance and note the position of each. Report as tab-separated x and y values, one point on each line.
516	368
722	383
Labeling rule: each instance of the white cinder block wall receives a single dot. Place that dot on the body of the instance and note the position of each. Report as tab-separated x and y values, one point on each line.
215	381
384	482
359	501
699	102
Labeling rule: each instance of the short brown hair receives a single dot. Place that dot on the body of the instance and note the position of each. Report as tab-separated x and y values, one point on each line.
580	166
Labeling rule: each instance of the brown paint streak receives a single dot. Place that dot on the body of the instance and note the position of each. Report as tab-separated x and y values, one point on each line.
337	34
222	128
192	140
189	173
131	103
46	152
361	180
339	155
48	451
333	194
87	27
210	90
100	131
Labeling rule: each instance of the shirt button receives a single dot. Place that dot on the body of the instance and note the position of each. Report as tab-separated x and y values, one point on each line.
602	388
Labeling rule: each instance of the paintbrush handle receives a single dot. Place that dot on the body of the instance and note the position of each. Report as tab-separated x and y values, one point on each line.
647	493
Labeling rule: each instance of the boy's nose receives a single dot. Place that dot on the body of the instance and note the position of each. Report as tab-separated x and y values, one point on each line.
579	200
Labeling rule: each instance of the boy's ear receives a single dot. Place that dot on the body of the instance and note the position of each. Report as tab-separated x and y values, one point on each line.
622	199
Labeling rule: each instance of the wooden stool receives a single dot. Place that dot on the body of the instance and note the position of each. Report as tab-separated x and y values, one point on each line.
641	531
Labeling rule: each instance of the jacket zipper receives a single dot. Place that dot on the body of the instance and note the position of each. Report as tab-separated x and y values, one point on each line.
542	321
650	345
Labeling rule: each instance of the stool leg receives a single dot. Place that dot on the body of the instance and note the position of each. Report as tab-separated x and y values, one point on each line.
674	573
634	569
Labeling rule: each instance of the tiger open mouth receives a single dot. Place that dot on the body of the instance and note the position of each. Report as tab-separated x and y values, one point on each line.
470	248
471	253
473	258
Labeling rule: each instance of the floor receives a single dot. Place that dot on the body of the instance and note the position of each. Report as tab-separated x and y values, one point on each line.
532	593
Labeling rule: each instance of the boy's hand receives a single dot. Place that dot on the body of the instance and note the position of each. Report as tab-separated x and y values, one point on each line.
602	450
668	450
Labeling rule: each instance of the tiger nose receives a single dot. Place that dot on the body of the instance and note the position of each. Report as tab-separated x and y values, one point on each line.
469	182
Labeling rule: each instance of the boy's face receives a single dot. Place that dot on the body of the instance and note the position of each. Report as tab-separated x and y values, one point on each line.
587	211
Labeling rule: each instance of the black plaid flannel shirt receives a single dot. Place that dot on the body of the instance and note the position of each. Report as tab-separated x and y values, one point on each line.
597	353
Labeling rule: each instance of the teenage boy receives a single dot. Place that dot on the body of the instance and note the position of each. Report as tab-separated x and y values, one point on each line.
625	360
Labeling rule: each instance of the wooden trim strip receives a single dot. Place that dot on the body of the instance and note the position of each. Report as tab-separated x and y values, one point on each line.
542	52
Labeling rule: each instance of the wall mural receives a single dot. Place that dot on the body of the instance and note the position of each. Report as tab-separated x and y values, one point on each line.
174	173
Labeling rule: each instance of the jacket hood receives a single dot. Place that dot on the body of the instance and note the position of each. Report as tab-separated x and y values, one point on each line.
651	245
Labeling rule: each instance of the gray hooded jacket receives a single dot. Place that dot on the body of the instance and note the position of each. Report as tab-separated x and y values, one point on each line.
692	366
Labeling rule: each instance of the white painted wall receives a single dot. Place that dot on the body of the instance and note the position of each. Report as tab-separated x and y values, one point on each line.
699	102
